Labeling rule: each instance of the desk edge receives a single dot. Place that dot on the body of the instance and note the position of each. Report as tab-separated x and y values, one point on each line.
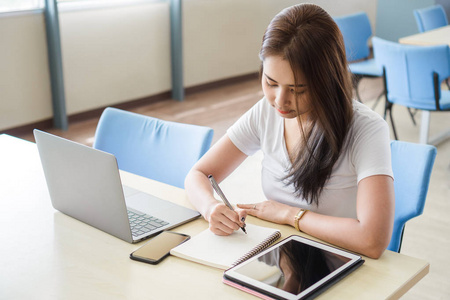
408	285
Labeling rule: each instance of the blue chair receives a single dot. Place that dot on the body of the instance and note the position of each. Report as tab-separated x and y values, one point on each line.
160	150
430	18
357	31
413	76
412	165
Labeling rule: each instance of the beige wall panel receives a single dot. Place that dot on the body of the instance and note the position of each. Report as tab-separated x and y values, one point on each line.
114	55
25	95
221	39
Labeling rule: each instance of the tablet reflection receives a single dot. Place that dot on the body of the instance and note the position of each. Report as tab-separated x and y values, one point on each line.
293	267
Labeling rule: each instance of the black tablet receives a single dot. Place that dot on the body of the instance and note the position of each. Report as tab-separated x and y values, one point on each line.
295	268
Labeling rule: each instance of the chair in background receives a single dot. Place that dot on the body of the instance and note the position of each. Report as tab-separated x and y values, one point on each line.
430	18
357	31
160	150
413	77
412	165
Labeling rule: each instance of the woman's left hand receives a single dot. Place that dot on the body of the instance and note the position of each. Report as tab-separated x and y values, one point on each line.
270	210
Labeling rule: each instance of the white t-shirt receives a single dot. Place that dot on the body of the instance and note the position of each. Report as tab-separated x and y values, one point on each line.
367	152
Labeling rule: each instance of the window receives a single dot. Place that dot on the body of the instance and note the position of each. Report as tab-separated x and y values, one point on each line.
13	6
20	5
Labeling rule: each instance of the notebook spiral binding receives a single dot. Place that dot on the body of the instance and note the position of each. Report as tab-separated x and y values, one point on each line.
260	247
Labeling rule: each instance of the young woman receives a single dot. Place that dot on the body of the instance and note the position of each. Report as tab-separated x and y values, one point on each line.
326	168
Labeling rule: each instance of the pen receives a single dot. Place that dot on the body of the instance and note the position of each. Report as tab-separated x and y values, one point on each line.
222	195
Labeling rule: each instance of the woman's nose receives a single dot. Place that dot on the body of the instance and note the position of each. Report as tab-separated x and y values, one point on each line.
282	98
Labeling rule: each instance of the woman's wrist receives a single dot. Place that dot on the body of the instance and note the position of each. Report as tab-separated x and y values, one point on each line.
209	210
292	211
298	217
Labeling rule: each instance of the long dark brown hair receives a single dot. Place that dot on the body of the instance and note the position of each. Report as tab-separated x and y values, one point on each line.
306	36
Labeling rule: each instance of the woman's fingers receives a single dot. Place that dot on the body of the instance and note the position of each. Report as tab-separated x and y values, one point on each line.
224	221
268	210
220	229
251	209
242	216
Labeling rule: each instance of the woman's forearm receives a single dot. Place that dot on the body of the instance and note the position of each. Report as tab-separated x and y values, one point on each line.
221	160
365	237
368	234
347	233
200	192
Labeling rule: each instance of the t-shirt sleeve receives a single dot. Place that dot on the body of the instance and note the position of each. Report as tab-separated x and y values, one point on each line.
372	151
245	132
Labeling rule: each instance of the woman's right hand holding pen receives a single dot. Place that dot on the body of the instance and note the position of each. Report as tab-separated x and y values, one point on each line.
224	221
221	160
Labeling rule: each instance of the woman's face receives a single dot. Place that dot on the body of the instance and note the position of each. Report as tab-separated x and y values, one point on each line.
288	99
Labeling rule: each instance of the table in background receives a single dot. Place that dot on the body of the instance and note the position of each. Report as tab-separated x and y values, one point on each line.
438	36
48	255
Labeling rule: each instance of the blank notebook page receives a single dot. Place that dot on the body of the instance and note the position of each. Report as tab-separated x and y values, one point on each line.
224	251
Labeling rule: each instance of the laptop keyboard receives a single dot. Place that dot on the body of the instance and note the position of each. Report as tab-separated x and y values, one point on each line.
142	223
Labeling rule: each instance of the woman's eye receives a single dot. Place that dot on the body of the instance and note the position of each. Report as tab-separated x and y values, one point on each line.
271	85
297	92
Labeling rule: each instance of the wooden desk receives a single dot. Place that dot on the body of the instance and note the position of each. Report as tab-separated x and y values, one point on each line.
46	254
438	36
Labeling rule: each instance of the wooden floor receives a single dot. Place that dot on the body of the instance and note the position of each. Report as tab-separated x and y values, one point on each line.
426	237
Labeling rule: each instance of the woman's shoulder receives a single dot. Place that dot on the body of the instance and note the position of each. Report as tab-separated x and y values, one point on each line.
366	125
364	116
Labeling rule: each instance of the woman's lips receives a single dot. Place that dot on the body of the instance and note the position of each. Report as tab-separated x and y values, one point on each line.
283	111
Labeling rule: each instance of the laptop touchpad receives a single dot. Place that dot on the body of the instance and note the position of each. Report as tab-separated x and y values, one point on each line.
128	192
148	204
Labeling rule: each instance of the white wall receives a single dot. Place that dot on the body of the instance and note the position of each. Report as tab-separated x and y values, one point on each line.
118	54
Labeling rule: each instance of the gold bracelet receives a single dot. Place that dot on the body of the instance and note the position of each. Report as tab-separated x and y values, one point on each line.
298	216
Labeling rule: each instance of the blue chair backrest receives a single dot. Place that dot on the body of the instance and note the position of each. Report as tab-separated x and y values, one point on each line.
430	18
160	150
412	164
356	31
409	70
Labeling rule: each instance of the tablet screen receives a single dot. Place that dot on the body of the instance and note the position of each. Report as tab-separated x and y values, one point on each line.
293	266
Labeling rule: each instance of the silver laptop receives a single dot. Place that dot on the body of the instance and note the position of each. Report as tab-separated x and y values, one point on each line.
85	184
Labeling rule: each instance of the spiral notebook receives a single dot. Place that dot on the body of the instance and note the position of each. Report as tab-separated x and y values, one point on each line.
224	252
